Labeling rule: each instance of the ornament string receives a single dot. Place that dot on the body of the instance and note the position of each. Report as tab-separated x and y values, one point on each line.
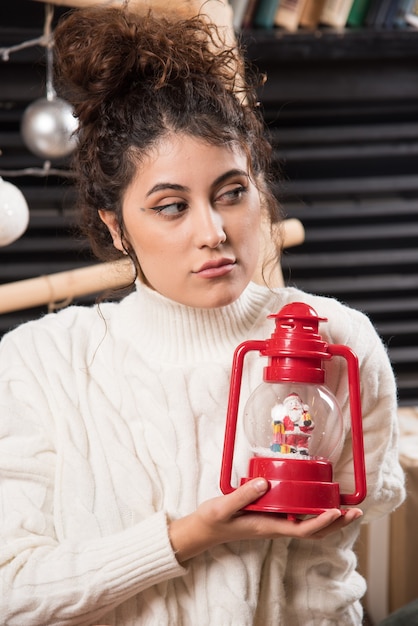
49	13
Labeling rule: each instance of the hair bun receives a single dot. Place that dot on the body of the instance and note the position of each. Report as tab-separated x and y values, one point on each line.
102	53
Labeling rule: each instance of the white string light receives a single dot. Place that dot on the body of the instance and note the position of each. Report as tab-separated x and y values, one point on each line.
46	170
14	213
6	52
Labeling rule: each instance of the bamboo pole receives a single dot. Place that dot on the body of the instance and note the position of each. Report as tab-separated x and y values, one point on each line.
100	277
190	7
219	11
64	286
142	4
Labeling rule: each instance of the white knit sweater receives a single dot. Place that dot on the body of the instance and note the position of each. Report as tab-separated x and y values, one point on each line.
112	420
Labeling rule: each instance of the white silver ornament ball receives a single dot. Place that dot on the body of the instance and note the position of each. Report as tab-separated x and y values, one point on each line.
14	213
47	128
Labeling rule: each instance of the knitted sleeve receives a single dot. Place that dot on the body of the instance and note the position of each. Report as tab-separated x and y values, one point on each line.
42	576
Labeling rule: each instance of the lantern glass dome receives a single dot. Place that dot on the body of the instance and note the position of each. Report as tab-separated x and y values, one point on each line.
270	405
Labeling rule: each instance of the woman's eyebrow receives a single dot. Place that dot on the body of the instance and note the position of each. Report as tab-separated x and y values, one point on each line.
175	187
223	177
162	186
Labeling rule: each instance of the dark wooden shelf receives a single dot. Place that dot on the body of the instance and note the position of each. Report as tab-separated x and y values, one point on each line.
331	45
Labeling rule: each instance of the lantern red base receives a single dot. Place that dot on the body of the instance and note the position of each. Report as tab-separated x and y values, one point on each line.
297	486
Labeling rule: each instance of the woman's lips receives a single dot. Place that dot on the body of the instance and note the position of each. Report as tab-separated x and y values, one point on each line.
215	269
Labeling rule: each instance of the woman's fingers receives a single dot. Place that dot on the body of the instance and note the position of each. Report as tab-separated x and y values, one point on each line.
325	524
275	525
244	495
222	519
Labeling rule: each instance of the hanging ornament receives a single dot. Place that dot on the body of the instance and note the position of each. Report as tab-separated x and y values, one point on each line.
14	213
48	124
47	128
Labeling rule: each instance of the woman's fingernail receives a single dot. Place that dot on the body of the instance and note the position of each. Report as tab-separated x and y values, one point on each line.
261	485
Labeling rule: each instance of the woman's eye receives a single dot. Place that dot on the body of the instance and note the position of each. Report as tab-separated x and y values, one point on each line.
174	208
233	195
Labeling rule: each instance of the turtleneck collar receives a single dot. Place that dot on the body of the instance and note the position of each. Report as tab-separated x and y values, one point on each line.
173	332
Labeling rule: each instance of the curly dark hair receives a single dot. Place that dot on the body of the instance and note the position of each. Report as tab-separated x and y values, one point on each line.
132	79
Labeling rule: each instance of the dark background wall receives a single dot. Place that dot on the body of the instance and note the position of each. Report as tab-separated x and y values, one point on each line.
342	109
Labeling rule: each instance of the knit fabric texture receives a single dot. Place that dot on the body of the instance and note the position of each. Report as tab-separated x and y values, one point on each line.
112	423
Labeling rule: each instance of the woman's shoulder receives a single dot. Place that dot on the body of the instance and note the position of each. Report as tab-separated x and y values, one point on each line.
323	305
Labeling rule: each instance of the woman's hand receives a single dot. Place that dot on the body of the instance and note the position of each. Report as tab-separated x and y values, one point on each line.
221	520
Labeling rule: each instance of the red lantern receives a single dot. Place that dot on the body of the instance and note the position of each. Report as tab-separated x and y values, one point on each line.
293	422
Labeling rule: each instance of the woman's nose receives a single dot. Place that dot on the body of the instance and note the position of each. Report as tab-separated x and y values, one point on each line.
209	227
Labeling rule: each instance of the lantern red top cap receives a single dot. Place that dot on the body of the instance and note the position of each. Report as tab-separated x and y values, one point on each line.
296	349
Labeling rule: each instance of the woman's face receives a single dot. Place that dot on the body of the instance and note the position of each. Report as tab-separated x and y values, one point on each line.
192	216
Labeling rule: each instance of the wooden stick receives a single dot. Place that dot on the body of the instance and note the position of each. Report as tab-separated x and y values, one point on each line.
142	4
65	286
220	11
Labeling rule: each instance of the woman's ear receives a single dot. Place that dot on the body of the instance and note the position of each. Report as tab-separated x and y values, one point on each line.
109	218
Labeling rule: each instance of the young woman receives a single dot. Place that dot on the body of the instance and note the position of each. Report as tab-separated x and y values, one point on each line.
112	417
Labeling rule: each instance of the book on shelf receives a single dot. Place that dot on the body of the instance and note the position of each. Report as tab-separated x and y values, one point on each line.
311	14
372	13
411	15
358	13
238	11
288	14
383	13
248	18
389	20
376	14
265	12
404	7
335	12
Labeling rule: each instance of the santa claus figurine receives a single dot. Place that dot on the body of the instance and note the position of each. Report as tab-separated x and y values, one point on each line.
292	426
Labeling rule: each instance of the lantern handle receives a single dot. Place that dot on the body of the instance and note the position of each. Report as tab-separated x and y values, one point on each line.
232	410
356	424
